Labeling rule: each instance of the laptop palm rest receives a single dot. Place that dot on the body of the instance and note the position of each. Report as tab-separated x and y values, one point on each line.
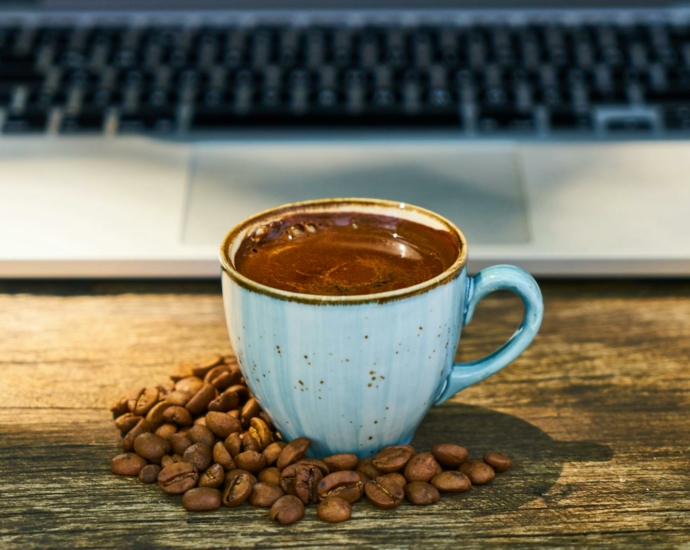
476	186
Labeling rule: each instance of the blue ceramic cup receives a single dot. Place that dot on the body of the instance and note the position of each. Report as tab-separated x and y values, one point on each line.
357	373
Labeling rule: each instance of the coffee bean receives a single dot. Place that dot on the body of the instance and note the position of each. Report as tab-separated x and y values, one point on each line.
451	482
340	462
334	510
151	447
149	473
397	477
366	466
272	452
448	455
344	484
126	422
421	467
421	493
164	389
178	478
479	472
200	421
201	499
287	509
167	460
178	398
222	380
191	384
250	410
249	443
222	424
292	452
143	426
383	492
127	464
177	415
242	392
184	431
132	397
225	402
179	443
265	494
302	480
201	434
119	407
320	464
223	457
201	399
260	431
499	462
238	487
212	477
270	475
201	367
199	455
146	401
393	459
263	416
155	415
233	443
183	370
252	461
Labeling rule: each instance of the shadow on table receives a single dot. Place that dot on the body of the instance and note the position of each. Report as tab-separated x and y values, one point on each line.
537	458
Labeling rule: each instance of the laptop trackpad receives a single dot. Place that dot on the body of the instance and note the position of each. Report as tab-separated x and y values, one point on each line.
476	186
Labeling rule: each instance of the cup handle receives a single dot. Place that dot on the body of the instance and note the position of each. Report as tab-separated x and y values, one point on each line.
498	277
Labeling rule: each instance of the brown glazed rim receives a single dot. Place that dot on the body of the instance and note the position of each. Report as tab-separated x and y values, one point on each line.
324	204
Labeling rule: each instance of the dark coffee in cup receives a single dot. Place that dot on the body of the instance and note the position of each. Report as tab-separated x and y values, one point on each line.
344	253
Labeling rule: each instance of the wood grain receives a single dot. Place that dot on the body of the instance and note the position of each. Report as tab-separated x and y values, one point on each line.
595	414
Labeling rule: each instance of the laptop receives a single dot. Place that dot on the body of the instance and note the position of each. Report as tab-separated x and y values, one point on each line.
134	135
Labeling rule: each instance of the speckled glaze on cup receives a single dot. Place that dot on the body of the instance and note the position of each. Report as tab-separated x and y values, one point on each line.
357	373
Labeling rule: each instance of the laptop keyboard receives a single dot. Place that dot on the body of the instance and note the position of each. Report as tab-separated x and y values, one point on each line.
480	80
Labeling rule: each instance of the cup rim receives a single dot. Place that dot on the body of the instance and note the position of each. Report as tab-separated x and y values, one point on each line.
380	297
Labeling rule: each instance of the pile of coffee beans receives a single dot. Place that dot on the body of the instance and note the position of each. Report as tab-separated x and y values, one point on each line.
204	436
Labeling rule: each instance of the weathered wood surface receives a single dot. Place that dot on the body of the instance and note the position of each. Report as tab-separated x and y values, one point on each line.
596	414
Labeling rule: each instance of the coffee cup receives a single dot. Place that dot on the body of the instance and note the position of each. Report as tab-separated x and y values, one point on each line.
357	373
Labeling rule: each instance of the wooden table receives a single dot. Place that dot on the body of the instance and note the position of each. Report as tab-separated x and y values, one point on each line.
596	415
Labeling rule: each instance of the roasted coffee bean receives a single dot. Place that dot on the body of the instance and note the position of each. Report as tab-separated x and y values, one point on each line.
320	464
146	401
223	457
421	493
191	384
199	455
126	422
143	426
272	452
448	455
201	399
344	484
302	480
222	424
260	431
236	413
149	473
178	478
167	460
250	410
233	443
499	462
241	391
292	452
164	389
184	431
212	477
127	464
178	398
225	402
215	372
155	415
383	492
366	466
166	430
397	477
222	377
270	475
393	459
151	447
421	467
265	494
177	415
119	407
479	472
451	482
249	443
341	462
183	370
287	509
132	397
263	416
201	367
201	499
200	421
334	510
201	434
251	461
179	443
238	487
